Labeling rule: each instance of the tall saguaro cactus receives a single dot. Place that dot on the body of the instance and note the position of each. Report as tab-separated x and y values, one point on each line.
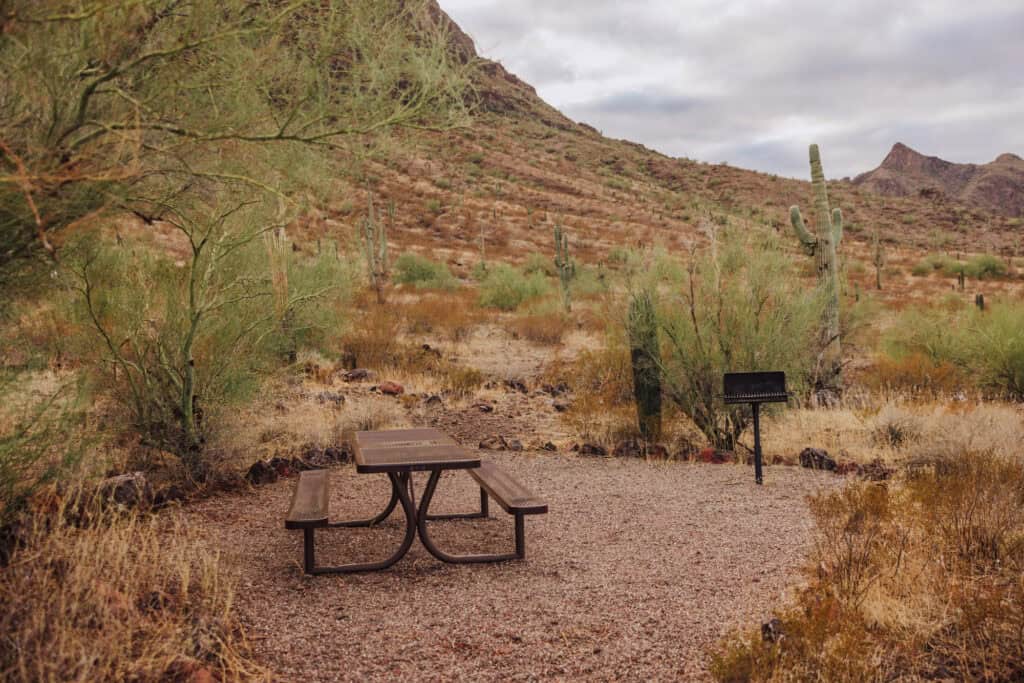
375	248
877	258
822	245
563	263
645	354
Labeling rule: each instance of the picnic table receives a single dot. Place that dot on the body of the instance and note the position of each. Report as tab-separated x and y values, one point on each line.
399	453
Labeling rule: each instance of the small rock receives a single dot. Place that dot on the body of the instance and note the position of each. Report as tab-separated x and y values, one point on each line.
391	388
876	470
332	397
817	459
517	385
548	446
129	490
358	375
560	406
515	445
630	448
261	473
772	632
432	400
593	449
494	443
657	450
430	350
484	407
713	456
555	389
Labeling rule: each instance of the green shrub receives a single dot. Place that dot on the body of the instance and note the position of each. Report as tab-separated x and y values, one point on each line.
986	345
985	266
506	288
413	269
933	263
539	263
741	308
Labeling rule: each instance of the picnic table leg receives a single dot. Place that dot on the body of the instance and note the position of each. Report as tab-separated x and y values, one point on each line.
483	512
379	518
428	543
400	488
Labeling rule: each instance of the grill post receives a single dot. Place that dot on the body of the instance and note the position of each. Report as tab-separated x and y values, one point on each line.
757	443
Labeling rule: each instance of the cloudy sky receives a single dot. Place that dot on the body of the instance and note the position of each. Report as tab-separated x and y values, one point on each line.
752	82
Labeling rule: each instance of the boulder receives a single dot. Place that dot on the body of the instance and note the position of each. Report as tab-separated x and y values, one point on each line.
358	375
391	388
494	443
261	473
713	456
128	490
817	459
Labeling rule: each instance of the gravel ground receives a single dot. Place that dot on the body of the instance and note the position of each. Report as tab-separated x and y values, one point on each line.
636	570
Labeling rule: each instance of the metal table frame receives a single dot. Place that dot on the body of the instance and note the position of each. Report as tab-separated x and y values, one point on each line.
408	451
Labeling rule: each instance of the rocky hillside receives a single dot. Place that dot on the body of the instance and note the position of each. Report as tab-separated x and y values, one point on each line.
997	186
523	165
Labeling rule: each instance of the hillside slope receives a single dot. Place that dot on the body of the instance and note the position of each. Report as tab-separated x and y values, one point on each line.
522	164
997	186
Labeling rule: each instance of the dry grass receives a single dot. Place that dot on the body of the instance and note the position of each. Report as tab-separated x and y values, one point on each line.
547	328
920	579
124	599
895	432
450	316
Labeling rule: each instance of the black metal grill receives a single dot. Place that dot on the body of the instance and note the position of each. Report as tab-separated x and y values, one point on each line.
755	388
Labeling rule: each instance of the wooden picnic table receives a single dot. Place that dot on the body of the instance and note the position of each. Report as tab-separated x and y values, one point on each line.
399	453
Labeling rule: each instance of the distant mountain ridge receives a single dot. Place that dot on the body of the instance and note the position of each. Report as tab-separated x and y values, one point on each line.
997	186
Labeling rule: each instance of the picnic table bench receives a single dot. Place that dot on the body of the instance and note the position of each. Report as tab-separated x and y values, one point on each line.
399	453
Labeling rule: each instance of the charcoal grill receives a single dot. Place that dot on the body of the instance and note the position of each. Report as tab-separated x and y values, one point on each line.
755	388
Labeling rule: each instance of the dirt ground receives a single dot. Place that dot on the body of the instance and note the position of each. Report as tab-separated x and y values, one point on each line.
636	571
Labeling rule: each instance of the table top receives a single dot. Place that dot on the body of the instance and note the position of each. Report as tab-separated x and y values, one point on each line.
410	450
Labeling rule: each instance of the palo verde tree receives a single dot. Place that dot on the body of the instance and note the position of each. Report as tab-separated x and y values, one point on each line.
112	104
176	336
740	308
822	245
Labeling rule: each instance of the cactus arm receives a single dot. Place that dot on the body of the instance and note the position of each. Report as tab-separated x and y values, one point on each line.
837	226
808	241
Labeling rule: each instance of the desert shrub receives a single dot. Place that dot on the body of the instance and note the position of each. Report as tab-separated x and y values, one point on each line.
895	427
545	325
38	443
539	263
987	345
985	266
120	599
507	288
421	272
741	308
444	314
174	345
915	374
373	338
913	580
933	263
460	381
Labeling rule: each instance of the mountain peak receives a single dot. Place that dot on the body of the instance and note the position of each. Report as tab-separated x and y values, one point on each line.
998	186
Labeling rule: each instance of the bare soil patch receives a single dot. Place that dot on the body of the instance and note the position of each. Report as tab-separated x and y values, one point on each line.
636	571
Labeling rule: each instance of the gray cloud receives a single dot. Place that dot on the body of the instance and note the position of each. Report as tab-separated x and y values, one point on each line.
752	82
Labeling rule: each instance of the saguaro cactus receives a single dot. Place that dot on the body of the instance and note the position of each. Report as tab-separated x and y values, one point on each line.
375	248
877	258
565	266
822	246
646	360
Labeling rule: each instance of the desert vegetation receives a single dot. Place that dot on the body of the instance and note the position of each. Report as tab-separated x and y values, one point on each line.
233	233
